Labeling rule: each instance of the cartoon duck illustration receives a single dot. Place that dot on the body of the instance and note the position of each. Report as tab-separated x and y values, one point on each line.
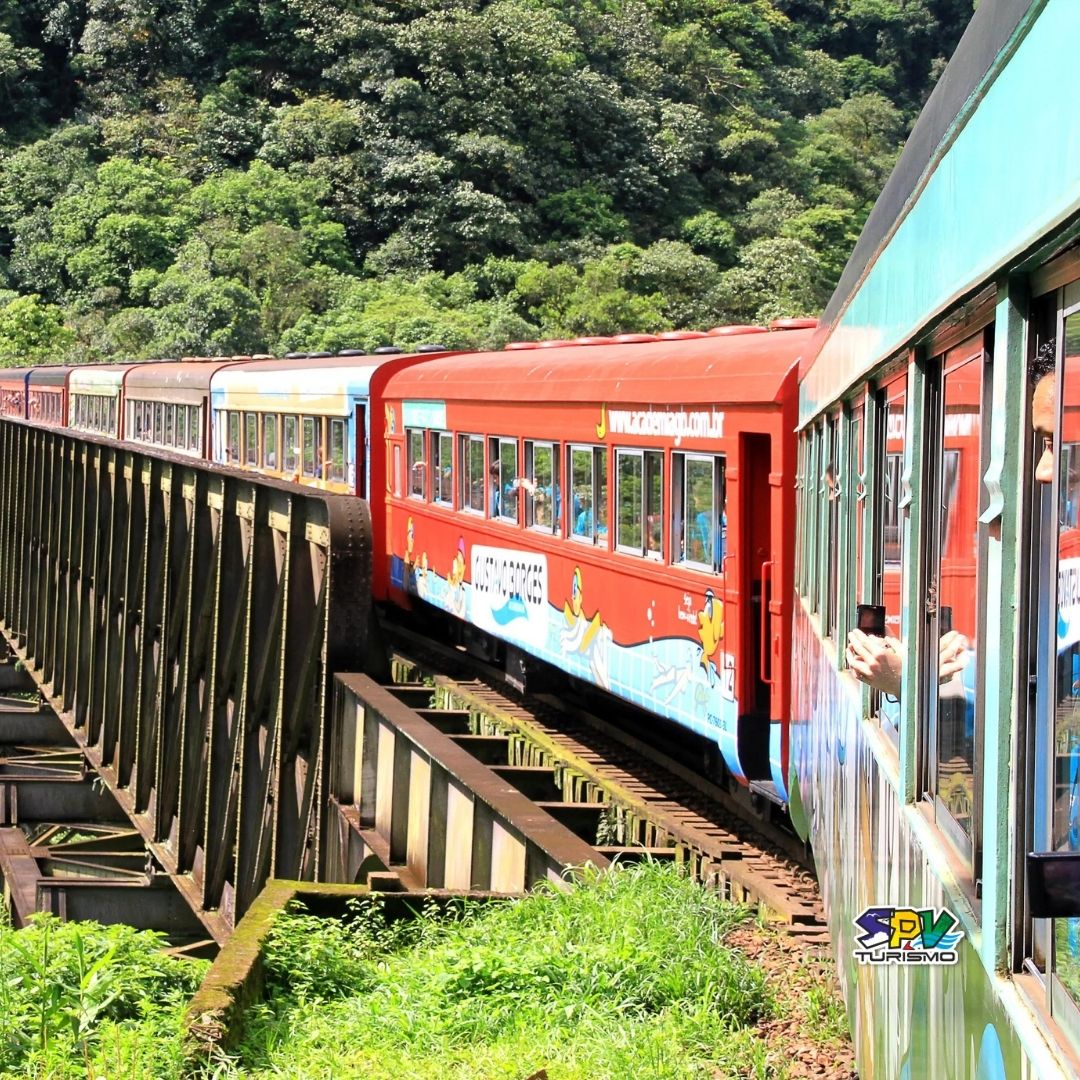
456	580
410	554
710	632
588	637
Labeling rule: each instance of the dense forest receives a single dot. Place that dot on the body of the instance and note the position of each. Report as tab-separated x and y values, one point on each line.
234	176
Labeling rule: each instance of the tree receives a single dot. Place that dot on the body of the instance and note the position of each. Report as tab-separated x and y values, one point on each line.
32	332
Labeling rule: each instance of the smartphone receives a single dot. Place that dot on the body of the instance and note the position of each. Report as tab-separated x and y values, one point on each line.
870	619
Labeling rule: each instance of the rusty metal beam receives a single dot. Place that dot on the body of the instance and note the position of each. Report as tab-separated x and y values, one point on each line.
185	622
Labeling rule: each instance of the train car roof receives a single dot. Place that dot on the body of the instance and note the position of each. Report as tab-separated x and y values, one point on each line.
10	376
323	385
939	230
49	376
98	379
190	374
741	369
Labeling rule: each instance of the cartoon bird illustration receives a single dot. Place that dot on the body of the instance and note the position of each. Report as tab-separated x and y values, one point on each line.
710	632
456	580
582	635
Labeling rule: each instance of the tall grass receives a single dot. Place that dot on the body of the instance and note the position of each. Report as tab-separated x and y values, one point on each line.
624	976
84	1000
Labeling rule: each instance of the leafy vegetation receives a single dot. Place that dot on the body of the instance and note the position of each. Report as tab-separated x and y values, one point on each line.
227	176
79	999
626	975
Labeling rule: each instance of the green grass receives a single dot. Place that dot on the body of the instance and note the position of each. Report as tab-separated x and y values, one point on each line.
84	1000
624	976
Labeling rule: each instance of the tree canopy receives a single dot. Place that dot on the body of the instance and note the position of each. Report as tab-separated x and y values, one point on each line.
220	176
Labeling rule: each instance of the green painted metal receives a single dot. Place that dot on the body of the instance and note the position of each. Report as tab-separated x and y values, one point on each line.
1009	172
185	622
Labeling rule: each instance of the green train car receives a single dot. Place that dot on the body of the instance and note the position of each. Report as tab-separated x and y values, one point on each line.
936	750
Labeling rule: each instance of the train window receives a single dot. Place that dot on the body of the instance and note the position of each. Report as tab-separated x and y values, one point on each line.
234	437
698	510
195	428
856	490
831	495
504	481
270	453
588	483
307	446
290	444
414	438
251	438
471	456
442	467
640	501
955	488
170	425
337	451
182	427
889	542
543	504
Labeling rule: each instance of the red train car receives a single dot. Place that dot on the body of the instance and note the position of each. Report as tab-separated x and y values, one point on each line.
46	395
616	510
13	392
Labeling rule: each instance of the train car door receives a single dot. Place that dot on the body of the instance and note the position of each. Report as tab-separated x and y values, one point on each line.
360	450
755	582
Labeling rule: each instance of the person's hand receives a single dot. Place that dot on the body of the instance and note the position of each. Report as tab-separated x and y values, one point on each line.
876	661
953	655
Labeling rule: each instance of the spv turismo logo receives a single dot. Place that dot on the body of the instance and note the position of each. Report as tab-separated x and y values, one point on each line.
895	935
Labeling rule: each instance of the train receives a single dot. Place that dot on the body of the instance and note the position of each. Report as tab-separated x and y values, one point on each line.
841	555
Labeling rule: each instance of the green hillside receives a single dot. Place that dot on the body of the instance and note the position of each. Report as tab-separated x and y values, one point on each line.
233	176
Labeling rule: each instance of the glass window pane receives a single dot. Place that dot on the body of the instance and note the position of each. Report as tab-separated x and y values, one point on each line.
290	444
417	464
270	454
654	503
195	428
630	496
442	448
472	473
251	438
583	522
309	446
959	492
600	488
337	451
182	426
543	504
698	525
503	480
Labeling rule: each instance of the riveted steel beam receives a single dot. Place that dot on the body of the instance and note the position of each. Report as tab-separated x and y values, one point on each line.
185	622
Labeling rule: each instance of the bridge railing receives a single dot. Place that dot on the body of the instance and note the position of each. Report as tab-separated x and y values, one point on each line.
185	622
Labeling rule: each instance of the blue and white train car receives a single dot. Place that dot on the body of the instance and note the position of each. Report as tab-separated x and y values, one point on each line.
304	418
936	752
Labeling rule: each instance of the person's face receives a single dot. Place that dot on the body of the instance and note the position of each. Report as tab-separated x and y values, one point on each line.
1044	421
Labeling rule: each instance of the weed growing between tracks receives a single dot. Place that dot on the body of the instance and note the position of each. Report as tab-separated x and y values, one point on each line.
626	975
84	1000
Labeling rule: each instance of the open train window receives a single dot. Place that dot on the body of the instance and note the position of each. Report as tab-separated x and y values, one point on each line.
639	502
290	443
543	500
587	482
503	480
251	438
956	462
471	456
182	426
336	460
312	446
442	467
698	511
830	494
855	485
270	453
417	464
234	435
889	539
195	428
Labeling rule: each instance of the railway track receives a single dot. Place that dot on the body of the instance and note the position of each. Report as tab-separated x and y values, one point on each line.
620	794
